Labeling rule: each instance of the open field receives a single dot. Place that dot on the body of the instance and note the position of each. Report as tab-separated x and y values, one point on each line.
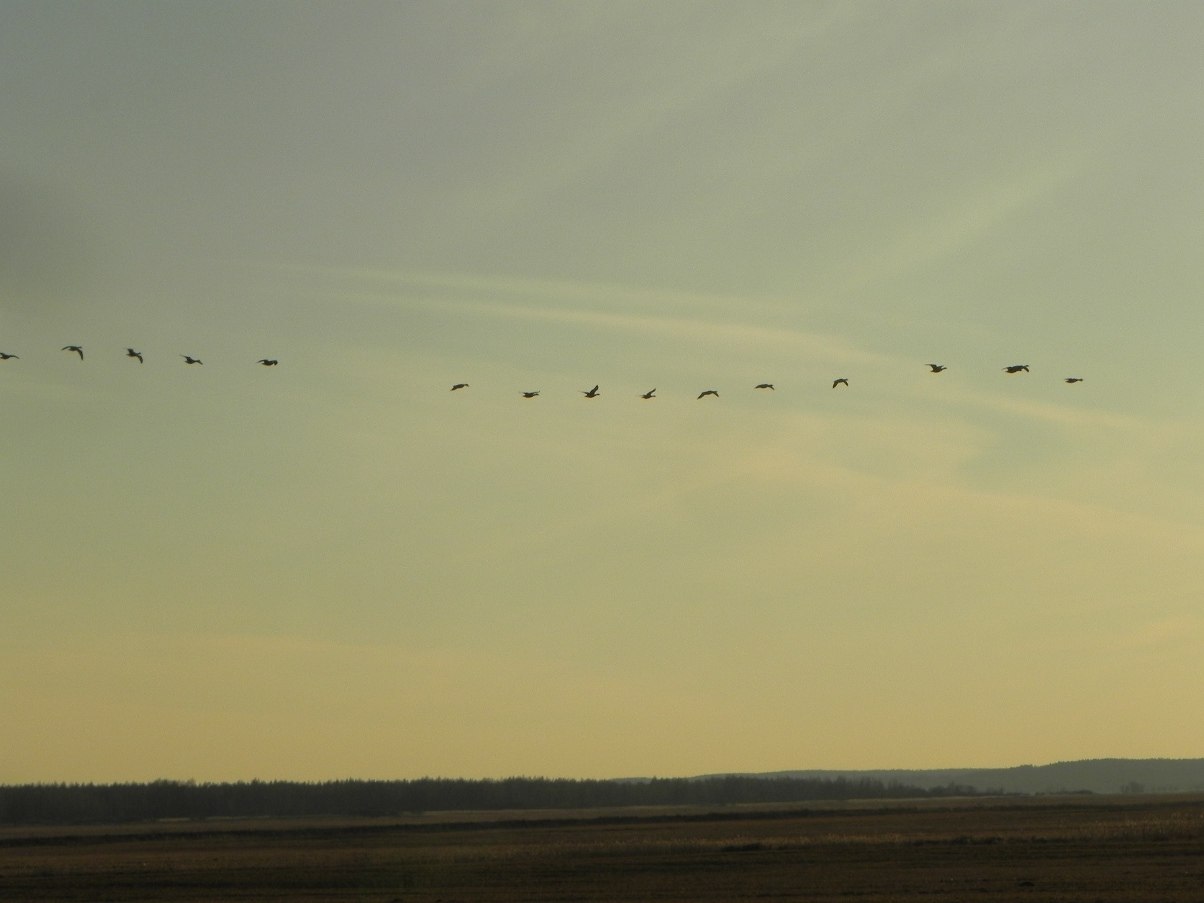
1065	849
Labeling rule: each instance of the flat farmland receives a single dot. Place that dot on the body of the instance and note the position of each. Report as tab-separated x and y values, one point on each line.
1077	849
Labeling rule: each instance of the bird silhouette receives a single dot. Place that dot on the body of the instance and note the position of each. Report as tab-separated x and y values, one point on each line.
844	380
763	386
530	394
130	352
651	393
191	360
8	357
708	392
592	393
937	368
459	386
1016	368
76	348
1074	379
268	361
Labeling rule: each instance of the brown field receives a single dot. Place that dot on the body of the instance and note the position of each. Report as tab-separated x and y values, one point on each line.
1080	849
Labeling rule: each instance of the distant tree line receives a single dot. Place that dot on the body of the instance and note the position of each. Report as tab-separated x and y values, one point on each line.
100	803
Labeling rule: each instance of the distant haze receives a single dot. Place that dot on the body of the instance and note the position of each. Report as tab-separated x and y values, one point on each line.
1092	776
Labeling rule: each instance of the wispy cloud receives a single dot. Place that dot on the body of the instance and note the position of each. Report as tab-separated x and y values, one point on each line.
526	287
814	345
1067	414
719	319
922	241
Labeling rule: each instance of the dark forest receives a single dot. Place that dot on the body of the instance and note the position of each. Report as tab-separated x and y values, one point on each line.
105	803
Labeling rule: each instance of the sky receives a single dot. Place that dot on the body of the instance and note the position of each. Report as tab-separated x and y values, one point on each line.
338	568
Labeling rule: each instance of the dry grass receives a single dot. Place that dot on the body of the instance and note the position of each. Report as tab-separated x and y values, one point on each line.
1069	850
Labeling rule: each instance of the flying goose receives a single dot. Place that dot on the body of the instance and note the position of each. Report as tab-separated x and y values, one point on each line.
191	360
651	393
1074	379
708	392
844	380
530	394
459	386
1016	368
268	361
937	368
592	393
763	386
8	357
76	348
130	352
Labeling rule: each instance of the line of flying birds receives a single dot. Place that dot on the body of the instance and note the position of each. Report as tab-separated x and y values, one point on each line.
588	393
839	381
131	352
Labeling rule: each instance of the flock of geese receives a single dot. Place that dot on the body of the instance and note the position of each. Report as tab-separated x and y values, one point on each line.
137	355
714	393
588	393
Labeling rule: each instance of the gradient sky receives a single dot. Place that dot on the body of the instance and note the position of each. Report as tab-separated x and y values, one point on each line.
338	568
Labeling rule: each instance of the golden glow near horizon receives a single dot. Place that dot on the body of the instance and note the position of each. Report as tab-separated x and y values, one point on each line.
336	567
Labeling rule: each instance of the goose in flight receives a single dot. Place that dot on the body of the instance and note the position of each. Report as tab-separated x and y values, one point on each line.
459	386
530	394
1074	379
937	368
592	393
268	361
708	392
130	352
191	360
844	380
651	393
76	348
763	386
1016	368
8	357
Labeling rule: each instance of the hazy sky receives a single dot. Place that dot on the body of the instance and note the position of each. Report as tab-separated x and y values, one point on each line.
338	568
